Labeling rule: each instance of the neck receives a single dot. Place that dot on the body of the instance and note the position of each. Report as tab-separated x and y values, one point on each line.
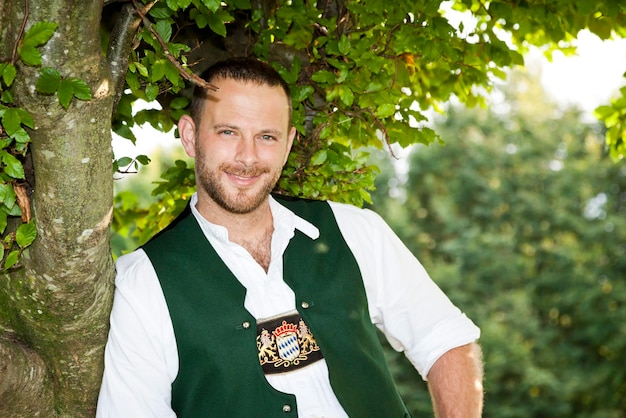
253	230
237	224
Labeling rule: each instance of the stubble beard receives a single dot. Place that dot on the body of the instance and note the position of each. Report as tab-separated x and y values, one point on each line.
242	201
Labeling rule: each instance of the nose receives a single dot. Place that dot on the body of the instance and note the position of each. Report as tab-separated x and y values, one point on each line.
247	153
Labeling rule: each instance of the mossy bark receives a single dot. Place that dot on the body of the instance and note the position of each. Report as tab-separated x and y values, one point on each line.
54	307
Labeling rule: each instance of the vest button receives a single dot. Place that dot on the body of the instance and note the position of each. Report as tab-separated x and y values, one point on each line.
286	408
246	325
305	305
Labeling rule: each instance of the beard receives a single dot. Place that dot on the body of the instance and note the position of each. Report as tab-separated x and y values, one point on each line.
243	200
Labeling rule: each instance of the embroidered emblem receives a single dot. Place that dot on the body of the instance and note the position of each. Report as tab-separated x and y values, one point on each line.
286	343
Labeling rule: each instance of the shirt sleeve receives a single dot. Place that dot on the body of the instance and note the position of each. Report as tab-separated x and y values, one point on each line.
140	360
404	302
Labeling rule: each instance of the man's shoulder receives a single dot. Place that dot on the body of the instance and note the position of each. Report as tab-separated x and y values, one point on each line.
287	200
305	208
130	266
346	211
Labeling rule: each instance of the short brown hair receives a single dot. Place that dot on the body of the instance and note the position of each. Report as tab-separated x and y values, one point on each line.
241	69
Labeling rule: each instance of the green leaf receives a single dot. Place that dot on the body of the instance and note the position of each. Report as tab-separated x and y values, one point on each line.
385	110
12	166
344	45
142	69
158	70
39	33
11	120
176	49
26	118
172	74
217	25
201	19
133	81
26	234
160	11
603	112
11	259
172	4
124	161
7	195
152	91
81	89
319	157
125	132
346	95
164	29
324	77
3	223
49	81
30	55
212	5
8	74
65	93
21	136
143	159
7	97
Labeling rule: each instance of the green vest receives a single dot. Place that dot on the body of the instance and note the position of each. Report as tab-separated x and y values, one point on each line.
219	371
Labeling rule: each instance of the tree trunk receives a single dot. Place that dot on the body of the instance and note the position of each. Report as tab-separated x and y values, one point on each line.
54	306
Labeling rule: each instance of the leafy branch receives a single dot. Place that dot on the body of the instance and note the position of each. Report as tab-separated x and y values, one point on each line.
187	75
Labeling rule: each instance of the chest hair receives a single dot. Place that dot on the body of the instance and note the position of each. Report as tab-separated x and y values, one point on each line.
260	249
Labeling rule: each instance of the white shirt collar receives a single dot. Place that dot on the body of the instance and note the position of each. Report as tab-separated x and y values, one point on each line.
284	219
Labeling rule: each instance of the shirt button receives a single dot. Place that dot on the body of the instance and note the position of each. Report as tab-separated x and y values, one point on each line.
305	305
246	325
286	408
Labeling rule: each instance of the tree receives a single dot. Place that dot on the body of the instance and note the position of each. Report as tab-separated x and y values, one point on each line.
71	70
522	223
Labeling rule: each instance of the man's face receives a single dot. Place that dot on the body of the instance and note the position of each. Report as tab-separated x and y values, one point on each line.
240	145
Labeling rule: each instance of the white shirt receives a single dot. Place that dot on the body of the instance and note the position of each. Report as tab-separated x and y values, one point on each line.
141	357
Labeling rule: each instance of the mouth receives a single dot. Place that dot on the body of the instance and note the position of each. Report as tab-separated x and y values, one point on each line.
244	178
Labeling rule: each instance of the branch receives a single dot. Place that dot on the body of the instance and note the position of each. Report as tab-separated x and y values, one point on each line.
120	47
379	124
21	32
183	72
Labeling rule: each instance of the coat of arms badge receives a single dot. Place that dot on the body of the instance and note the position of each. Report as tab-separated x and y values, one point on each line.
286	343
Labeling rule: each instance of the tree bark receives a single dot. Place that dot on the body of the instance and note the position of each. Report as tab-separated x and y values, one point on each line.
24	376
56	303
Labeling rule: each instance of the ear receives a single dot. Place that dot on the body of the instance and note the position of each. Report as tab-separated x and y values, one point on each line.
290	139
187	132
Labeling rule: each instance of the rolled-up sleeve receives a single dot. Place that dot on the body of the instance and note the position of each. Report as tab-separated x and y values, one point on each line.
404	302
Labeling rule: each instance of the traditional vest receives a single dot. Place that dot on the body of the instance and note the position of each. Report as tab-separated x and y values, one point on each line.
219	370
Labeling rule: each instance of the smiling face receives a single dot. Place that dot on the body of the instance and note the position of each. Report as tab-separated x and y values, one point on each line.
240	145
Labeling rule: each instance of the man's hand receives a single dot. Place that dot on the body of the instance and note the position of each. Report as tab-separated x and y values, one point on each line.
456	383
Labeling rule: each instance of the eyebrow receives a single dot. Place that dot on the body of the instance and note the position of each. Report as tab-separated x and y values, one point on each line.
225	126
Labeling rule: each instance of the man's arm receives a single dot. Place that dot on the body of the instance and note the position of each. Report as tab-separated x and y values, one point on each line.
140	360
455	382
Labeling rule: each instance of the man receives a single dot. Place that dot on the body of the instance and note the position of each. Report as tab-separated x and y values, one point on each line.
252	305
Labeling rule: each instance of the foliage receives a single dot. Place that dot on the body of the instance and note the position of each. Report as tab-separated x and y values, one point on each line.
362	74
14	137
522	223
14	140
614	117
